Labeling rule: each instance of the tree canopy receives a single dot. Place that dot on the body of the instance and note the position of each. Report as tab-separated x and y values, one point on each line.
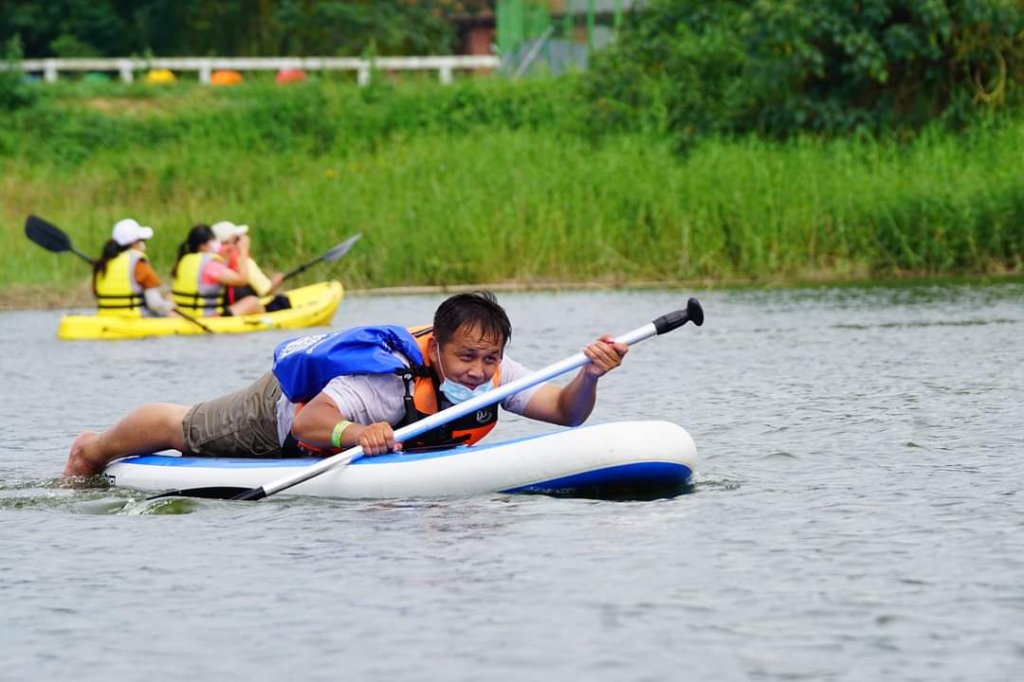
694	67
229	28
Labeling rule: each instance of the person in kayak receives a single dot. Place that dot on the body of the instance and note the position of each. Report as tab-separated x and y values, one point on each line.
229	235
465	355
200	276
124	282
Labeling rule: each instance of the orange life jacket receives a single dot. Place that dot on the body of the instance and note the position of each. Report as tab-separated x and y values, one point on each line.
230	292
428	399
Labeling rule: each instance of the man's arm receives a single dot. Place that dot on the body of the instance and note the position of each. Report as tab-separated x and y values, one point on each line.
259	281
571	404
157	303
147	278
315	424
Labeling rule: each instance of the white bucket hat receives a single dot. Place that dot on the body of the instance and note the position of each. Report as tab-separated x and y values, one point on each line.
226	230
128	231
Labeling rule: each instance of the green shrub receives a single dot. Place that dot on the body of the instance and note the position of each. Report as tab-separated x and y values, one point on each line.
492	180
15	93
317	117
692	67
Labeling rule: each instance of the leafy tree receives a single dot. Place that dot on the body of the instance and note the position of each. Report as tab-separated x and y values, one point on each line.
231	27
70	46
14	93
80	26
693	67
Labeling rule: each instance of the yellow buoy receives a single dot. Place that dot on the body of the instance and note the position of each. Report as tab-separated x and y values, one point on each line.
160	77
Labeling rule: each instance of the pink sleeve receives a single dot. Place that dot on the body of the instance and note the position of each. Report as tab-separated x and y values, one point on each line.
212	271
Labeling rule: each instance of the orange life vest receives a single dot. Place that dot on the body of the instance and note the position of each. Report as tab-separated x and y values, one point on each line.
427	399
230	292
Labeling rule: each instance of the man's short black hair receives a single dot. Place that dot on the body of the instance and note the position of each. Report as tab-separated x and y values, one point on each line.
478	309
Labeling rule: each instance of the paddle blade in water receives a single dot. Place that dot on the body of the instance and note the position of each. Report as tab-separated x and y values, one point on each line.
212	493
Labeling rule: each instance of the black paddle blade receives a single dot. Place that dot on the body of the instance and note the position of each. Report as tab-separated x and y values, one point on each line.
47	235
334	254
212	493
251	494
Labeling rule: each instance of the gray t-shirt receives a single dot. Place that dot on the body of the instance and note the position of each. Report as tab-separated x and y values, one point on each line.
369	398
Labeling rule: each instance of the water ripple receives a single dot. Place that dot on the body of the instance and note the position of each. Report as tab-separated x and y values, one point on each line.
856	514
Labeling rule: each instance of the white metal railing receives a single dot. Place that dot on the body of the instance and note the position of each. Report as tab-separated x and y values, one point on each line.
126	67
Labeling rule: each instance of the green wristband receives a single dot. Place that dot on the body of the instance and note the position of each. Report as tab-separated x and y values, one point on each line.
339	429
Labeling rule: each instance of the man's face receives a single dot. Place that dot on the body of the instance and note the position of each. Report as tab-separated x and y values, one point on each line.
469	358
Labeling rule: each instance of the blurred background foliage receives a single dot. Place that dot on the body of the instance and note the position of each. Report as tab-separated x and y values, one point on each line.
690	68
230	28
678	68
730	140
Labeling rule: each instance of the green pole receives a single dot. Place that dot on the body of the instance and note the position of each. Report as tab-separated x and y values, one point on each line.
590	25
510	25
515	24
501	26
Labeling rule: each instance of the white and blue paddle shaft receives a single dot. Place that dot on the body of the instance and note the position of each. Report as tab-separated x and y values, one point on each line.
664	324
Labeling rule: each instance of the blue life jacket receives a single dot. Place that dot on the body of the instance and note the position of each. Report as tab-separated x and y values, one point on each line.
303	366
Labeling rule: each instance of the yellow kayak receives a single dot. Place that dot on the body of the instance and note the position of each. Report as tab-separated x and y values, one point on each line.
311	305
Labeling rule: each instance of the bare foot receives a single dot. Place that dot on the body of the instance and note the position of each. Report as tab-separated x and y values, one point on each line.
79	462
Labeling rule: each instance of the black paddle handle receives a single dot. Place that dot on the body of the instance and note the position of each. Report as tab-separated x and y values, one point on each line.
677	318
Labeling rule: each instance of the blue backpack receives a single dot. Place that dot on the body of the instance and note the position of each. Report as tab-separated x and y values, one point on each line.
303	366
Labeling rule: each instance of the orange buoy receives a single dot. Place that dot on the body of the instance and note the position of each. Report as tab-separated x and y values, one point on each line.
225	77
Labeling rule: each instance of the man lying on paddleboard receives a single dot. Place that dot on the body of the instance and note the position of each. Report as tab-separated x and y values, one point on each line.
399	376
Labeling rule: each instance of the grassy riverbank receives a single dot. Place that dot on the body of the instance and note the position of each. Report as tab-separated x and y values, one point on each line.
489	181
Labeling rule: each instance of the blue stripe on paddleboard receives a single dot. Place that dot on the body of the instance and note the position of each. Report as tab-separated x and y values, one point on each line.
218	462
268	462
639	476
274	463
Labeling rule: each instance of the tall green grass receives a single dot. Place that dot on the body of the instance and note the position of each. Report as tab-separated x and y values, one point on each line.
490	181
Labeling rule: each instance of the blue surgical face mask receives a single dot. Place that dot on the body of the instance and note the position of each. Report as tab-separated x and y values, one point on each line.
456	392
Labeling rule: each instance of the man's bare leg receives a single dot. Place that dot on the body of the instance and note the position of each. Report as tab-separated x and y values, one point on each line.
149	428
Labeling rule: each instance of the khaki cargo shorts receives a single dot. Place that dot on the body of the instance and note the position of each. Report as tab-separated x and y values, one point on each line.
240	424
